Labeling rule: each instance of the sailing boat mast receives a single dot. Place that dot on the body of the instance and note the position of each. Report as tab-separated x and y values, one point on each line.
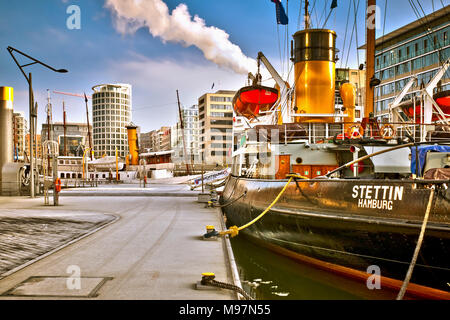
306	15
370	57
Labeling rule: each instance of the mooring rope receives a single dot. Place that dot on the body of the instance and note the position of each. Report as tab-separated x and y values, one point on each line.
231	202
234	230
418	246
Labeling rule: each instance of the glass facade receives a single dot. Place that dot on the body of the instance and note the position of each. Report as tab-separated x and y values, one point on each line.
191	136
420	54
111	108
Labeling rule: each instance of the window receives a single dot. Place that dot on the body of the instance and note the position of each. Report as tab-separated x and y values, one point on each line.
221	122
219	145
218	153
425	44
391	72
221	99
407	52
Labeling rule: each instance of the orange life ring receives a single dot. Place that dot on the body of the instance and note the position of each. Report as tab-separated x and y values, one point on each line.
58	185
356	131
387	131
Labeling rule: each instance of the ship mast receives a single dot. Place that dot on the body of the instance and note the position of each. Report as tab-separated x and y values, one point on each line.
370	57
306	15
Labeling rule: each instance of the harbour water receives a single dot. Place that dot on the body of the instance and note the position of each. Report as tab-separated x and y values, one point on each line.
268	275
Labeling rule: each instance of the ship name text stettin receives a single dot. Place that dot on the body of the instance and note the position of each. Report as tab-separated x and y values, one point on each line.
377	197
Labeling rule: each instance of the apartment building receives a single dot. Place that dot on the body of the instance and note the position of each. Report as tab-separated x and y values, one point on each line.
216	126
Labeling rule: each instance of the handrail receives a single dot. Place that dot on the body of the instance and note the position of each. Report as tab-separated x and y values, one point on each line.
348	164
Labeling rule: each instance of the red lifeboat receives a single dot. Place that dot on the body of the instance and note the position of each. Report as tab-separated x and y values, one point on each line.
250	101
441	98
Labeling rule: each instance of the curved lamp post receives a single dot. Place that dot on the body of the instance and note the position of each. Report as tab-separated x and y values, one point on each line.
32	108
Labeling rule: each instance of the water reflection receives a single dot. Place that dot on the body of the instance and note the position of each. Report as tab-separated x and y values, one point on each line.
268	275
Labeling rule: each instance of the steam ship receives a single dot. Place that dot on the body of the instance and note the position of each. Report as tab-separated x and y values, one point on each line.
357	193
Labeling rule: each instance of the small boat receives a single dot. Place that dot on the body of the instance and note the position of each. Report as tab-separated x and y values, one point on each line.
250	101
442	99
106	163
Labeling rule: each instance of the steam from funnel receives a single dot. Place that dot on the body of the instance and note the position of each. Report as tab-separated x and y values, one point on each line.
180	27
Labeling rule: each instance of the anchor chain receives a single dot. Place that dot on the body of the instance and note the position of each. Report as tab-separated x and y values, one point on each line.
208	280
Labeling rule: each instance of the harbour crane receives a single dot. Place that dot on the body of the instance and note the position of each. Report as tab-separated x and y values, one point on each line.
86	97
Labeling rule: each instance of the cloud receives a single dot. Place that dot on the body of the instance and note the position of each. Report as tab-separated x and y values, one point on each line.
179	27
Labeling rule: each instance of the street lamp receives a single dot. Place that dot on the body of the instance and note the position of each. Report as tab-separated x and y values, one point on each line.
32	108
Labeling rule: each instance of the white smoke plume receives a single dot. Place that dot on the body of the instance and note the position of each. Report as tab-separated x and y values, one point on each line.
180	27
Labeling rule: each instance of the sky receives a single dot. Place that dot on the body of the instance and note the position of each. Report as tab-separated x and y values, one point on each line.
126	41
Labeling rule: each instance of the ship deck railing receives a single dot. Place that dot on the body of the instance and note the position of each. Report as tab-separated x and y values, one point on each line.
381	132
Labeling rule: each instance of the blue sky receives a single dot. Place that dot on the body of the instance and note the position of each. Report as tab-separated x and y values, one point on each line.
99	53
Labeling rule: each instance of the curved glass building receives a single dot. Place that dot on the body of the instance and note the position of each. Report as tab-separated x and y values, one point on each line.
111	113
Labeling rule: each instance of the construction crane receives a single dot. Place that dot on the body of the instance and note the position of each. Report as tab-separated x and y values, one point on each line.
86	97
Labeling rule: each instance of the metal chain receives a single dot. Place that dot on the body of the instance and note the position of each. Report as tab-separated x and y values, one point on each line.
232	201
223	285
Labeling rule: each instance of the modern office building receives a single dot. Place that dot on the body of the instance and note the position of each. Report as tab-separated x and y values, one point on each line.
419	48
111	113
161	139
357	78
216	126
77	136
19	135
145	142
37	147
164	137
191	136
156	140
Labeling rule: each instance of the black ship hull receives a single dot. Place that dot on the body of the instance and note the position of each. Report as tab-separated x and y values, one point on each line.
349	226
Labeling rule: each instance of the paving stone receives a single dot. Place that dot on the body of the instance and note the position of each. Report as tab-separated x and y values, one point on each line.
25	238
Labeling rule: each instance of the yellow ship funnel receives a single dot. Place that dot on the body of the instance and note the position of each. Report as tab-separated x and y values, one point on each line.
314	69
133	146
6	127
348	95
7	94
